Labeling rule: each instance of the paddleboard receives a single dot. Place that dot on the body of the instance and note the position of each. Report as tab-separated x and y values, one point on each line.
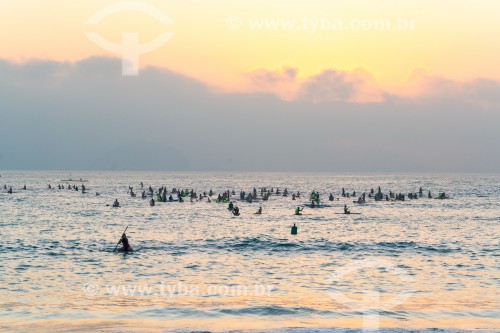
75	180
317	206
348	213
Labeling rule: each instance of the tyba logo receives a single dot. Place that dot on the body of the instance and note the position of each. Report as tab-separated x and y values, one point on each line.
129	49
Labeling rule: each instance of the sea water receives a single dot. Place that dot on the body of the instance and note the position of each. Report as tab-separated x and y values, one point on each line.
420	264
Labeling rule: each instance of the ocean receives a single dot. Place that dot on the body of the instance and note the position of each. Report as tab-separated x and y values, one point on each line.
422	264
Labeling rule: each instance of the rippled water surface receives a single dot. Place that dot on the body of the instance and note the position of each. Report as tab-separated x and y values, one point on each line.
418	264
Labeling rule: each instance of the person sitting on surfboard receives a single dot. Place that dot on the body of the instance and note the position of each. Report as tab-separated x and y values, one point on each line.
116	203
126	246
259	211
231	206
298	210
346	210
236	211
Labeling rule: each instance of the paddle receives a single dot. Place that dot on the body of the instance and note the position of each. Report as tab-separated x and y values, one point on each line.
120	240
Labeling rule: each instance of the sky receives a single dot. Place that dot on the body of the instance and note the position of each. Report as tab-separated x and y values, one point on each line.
389	86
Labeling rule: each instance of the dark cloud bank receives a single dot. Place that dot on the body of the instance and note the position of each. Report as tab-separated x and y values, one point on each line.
86	116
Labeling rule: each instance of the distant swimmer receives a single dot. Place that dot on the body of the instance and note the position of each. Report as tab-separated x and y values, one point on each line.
116	203
346	210
331	197
24	187
259	211
152	202
97	194
230	206
429	195
10	190
298	211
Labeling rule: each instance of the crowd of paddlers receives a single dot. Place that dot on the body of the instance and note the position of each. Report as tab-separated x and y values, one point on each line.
230	197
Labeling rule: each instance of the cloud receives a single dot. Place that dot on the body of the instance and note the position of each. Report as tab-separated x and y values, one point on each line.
328	86
283	82
424	87
270	78
333	86
85	115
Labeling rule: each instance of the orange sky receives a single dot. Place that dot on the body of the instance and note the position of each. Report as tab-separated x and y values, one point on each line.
219	41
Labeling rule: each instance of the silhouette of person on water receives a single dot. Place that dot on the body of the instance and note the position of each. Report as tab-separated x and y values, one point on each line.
126	246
